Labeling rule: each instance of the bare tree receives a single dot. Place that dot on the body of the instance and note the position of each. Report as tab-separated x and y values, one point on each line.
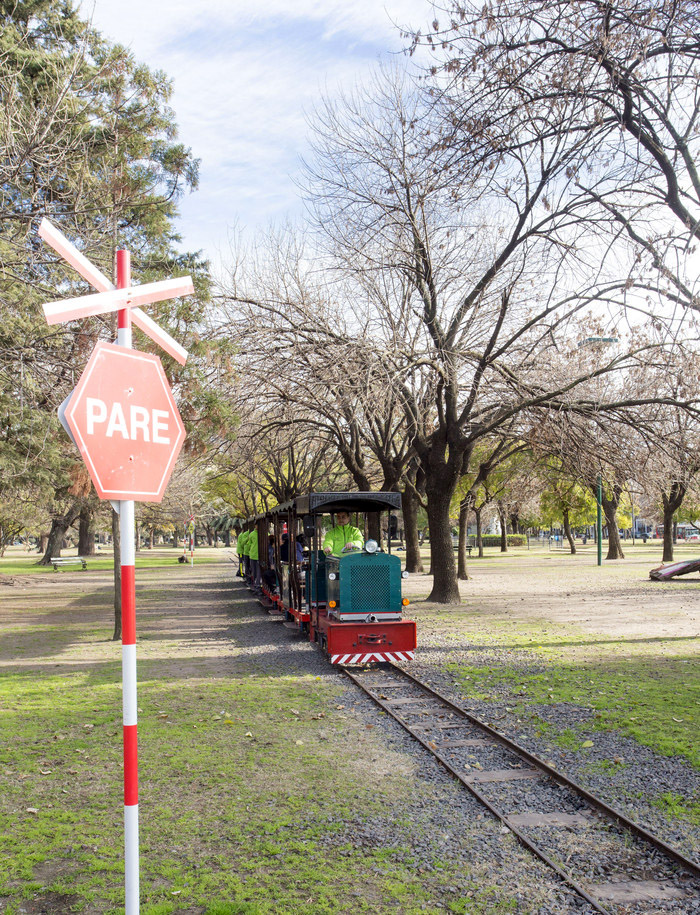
668	444
619	415
621	81
279	461
332	387
489	252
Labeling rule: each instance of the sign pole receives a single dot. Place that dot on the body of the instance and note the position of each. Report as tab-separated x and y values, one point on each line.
125	423
128	593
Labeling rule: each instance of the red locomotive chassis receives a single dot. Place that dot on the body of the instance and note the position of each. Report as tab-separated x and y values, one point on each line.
360	643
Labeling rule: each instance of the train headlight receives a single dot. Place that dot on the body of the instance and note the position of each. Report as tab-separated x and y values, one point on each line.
332	604
404	574
371	546
405	602
332	576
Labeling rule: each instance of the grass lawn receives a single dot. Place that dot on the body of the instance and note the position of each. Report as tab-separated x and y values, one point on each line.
260	791
226	784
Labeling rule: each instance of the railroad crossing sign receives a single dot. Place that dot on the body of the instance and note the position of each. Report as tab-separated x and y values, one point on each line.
125	422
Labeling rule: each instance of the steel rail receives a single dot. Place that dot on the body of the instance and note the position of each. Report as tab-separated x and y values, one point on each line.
565	876
688	863
547	770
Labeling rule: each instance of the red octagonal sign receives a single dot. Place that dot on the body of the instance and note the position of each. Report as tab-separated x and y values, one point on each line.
126	424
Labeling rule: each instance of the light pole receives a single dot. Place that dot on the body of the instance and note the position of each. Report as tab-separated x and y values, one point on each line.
599	518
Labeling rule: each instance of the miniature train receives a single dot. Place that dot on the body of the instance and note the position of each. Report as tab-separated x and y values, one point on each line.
348	600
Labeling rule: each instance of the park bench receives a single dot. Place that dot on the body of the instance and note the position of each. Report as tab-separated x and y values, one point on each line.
467	548
61	561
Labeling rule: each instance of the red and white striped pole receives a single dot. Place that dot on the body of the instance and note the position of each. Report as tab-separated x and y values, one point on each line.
128	559
110	300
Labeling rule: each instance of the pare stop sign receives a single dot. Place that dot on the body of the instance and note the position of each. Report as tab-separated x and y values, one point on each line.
126	424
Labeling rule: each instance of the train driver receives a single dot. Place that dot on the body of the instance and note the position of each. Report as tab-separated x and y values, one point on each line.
343	537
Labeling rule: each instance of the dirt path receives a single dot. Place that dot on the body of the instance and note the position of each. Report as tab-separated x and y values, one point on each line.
616	599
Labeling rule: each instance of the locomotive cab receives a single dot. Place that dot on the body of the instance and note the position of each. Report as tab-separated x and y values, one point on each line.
351	604
356	608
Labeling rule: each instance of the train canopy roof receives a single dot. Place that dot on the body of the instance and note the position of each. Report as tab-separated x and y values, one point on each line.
324	502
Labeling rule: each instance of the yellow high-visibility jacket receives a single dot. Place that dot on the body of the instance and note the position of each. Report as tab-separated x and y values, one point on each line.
252	545
338	536
242	543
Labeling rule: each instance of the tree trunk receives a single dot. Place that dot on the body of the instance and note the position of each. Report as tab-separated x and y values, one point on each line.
462	571
373	531
504	530
614	544
668	533
116	537
59	526
227	537
610	504
672	501
86	533
43	540
479	536
445	588
567	531
151	538
409	507
3	543
210	536
54	541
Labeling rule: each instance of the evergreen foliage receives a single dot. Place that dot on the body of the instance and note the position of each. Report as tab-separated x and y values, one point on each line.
89	140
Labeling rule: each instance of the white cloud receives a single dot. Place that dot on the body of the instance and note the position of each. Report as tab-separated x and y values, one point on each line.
153	23
244	73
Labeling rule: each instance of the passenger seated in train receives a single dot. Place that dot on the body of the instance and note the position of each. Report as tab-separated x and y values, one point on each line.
284	548
269	575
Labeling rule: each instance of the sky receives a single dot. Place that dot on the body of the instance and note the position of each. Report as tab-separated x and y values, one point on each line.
245	76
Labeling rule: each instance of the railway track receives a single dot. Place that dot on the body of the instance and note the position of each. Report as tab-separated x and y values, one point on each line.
606	859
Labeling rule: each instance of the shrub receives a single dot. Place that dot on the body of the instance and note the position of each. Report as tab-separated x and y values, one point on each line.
495	540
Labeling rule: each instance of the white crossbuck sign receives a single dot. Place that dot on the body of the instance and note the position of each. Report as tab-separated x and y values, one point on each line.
108	298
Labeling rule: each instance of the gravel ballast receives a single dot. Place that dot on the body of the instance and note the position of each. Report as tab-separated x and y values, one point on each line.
446	823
